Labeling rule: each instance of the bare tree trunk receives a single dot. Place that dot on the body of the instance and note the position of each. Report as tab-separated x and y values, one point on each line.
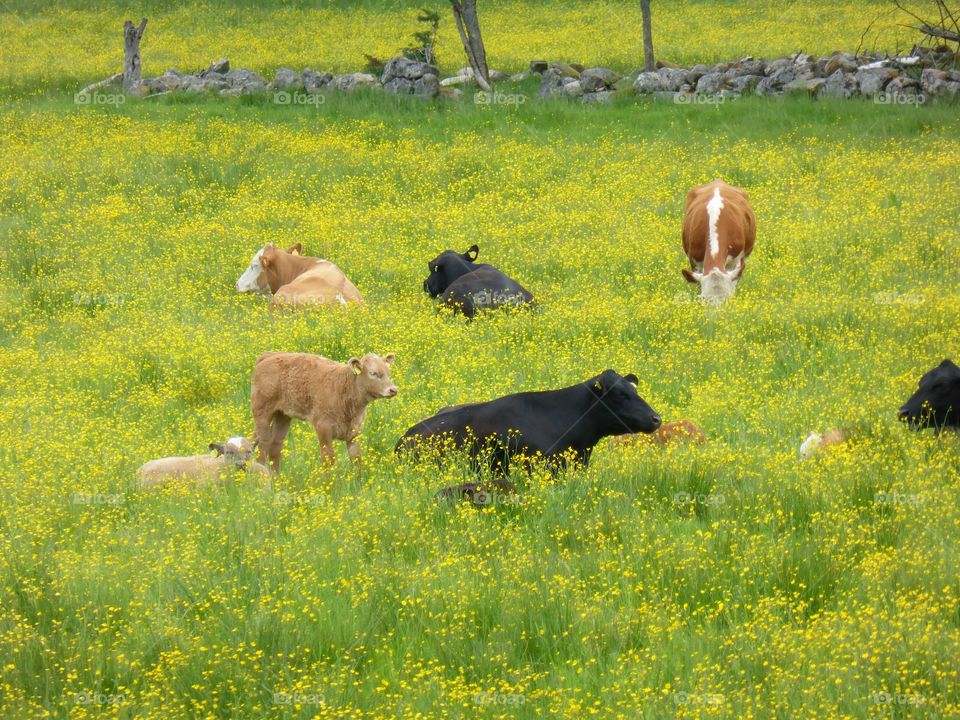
131	53
648	62
468	25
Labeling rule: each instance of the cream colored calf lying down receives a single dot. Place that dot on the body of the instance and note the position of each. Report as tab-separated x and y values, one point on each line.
233	456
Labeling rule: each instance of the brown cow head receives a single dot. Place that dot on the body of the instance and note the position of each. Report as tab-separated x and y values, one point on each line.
259	277
373	375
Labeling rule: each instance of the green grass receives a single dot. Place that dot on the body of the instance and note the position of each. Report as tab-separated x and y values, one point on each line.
749	583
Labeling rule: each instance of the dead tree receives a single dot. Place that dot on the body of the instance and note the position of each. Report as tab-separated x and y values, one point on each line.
649	65
948	27
465	15
131	53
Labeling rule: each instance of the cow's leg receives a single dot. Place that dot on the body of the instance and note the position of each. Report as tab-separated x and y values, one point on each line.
262	432
325	436
353	449
281	426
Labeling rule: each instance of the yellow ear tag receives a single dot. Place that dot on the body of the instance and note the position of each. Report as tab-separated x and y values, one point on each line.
597	385
356	371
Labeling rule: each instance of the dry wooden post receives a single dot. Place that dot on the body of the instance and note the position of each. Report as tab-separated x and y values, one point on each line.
465	15
131	53
648	62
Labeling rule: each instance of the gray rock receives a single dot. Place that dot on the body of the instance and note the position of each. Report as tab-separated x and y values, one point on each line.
573	88
672	78
902	85
287	79
933	81
221	67
840	61
406	69
594	79
601	96
777	65
873	81
520	76
244	78
427	86
748	66
170	80
696	72
841	84
745	83
551	83
710	83
351	81
648	82
316	82
815	85
453	93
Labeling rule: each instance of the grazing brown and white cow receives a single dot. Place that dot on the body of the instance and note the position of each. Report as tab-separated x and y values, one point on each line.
332	396
295	279
719	229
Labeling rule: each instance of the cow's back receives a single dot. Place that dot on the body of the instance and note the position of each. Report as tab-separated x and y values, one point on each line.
324	284
736	222
292	383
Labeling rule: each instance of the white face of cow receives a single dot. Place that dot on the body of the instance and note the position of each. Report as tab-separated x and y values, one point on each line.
718	285
248	282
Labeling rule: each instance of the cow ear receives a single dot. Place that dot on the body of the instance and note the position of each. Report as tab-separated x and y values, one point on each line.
631	378
472	252
389	358
218	447
354	364
264	260
296	249
689	276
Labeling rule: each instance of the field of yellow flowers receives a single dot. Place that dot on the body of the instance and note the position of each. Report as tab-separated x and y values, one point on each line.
723	581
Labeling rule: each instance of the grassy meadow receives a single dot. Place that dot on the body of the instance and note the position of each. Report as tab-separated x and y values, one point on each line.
728	580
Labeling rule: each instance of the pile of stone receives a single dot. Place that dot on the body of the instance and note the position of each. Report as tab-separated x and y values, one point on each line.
838	75
403	76
559	79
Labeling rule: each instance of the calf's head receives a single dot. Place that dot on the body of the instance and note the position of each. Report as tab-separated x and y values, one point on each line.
620	407
447	267
257	277
373	375
936	403
717	284
237	451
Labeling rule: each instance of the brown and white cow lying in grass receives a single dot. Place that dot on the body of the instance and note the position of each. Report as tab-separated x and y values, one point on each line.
235	455
332	396
719	230
295	279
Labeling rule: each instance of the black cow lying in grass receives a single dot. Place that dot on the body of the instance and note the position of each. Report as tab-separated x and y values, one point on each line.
468	287
553	425
936	403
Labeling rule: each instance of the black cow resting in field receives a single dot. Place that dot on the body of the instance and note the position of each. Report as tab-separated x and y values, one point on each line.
551	424
468	287
936	403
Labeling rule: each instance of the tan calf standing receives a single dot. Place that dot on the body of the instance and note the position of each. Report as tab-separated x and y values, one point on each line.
331	396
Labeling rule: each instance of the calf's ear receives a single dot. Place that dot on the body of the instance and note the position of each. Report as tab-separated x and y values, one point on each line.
218	447
296	249
689	276
472	252
389	358
631	378
354	364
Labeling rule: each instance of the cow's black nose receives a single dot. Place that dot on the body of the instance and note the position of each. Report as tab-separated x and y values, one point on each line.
902	414
656	421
